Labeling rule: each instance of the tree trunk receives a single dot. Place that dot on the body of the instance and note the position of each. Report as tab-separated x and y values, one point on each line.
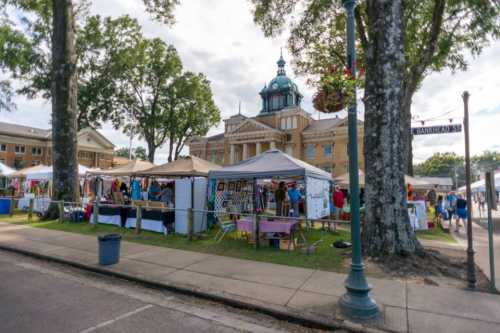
170	149
64	104
407	139
151	152
387	227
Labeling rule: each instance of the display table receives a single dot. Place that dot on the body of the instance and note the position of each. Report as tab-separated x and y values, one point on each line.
152	220
266	226
108	215
40	204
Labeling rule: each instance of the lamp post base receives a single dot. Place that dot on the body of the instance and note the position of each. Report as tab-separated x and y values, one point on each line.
357	303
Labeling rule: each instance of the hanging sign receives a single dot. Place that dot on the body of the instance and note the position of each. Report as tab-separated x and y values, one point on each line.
441	129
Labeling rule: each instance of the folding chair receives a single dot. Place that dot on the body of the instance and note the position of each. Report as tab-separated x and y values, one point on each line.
225	228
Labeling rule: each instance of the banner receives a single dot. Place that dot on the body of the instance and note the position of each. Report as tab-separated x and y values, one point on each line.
441	129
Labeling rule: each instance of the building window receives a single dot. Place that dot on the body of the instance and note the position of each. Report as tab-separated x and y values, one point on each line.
3	147
36	151
213	156
35	163
289	150
294	122
327	150
20	149
85	155
18	163
283	123
310	151
288	123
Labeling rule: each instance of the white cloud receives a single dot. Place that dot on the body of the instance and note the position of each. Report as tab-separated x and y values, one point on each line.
219	38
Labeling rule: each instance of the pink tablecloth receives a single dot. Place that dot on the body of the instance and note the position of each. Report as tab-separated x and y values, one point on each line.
285	226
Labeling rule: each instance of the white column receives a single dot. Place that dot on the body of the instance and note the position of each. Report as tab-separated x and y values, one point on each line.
245	151
231	154
273	145
258	148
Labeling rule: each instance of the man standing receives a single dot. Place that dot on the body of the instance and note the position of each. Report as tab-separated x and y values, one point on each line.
338	203
294	197
279	198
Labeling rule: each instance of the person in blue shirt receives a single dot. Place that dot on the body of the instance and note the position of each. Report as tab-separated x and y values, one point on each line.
294	198
154	191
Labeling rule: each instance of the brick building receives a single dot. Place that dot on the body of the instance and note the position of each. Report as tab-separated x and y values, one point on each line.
23	146
281	124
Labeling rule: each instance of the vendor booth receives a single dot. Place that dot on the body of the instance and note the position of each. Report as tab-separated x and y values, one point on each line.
103	186
5	171
36	183
416	209
480	185
239	189
188	176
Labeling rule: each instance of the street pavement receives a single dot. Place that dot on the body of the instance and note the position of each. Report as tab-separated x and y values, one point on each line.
481	243
38	296
313	294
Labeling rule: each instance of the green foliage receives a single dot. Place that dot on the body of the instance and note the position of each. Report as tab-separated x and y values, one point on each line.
25	50
137	153
443	165
437	35
487	161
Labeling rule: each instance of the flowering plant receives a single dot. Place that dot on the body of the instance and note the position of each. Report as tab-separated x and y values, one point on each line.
335	89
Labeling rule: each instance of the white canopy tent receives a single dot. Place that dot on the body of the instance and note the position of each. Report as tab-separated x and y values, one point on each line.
5	170
45	173
480	185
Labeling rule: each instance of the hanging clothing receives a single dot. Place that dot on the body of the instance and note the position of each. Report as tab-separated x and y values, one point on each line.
136	190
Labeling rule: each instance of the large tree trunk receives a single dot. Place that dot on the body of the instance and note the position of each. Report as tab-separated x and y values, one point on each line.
387	227
407	137
64	104
151	152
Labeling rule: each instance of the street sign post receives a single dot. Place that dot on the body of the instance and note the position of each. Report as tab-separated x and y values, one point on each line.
491	202
441	129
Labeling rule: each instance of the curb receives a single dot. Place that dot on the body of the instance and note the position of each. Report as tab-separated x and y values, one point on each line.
310	321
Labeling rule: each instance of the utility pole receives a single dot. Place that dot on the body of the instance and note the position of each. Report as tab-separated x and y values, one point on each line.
356	302
471	268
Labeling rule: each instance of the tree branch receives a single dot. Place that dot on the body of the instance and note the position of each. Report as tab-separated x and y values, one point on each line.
361	28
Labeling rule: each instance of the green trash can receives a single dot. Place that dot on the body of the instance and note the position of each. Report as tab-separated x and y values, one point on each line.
109	249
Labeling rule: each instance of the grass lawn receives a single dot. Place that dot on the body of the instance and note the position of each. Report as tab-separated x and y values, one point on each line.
234	244
436	234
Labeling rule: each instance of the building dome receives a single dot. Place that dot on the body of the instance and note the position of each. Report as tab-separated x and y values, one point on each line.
281	92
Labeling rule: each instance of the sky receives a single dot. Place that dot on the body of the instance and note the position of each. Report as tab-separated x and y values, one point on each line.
219	38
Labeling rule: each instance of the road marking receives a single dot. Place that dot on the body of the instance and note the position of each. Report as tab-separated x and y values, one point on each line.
123	316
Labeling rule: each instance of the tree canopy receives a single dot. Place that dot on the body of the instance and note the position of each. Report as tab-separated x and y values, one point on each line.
438	34
137	153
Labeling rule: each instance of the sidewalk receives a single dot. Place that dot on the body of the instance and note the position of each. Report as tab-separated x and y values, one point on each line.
480	243
296	292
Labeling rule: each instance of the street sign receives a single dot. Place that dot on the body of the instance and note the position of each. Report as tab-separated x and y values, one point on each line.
441	129
491	190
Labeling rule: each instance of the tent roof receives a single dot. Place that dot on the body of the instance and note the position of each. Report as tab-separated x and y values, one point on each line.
480	185
272	163
130	169
343	180
190	166
5	170
23	172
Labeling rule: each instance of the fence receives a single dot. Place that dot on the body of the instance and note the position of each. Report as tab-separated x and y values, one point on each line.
76	210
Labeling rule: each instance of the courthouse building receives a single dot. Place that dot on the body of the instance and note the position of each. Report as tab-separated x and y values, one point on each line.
23	146
281	124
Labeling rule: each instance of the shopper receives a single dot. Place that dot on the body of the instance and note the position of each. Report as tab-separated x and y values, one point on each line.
461	211
338	202
294	198
279	198
154	191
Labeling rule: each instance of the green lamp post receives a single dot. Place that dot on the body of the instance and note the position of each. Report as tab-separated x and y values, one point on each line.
356	302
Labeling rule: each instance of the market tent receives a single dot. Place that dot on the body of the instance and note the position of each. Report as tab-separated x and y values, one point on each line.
40	172
189	166
23	172
343	181
272	163
480	185
130	169
5	170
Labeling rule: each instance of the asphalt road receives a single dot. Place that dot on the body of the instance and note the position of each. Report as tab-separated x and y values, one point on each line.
38	296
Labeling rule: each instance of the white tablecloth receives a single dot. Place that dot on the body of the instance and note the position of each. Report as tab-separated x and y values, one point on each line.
150	225
40	205
107	219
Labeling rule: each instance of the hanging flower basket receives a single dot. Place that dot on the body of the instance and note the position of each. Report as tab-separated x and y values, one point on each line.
335	89
329	102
